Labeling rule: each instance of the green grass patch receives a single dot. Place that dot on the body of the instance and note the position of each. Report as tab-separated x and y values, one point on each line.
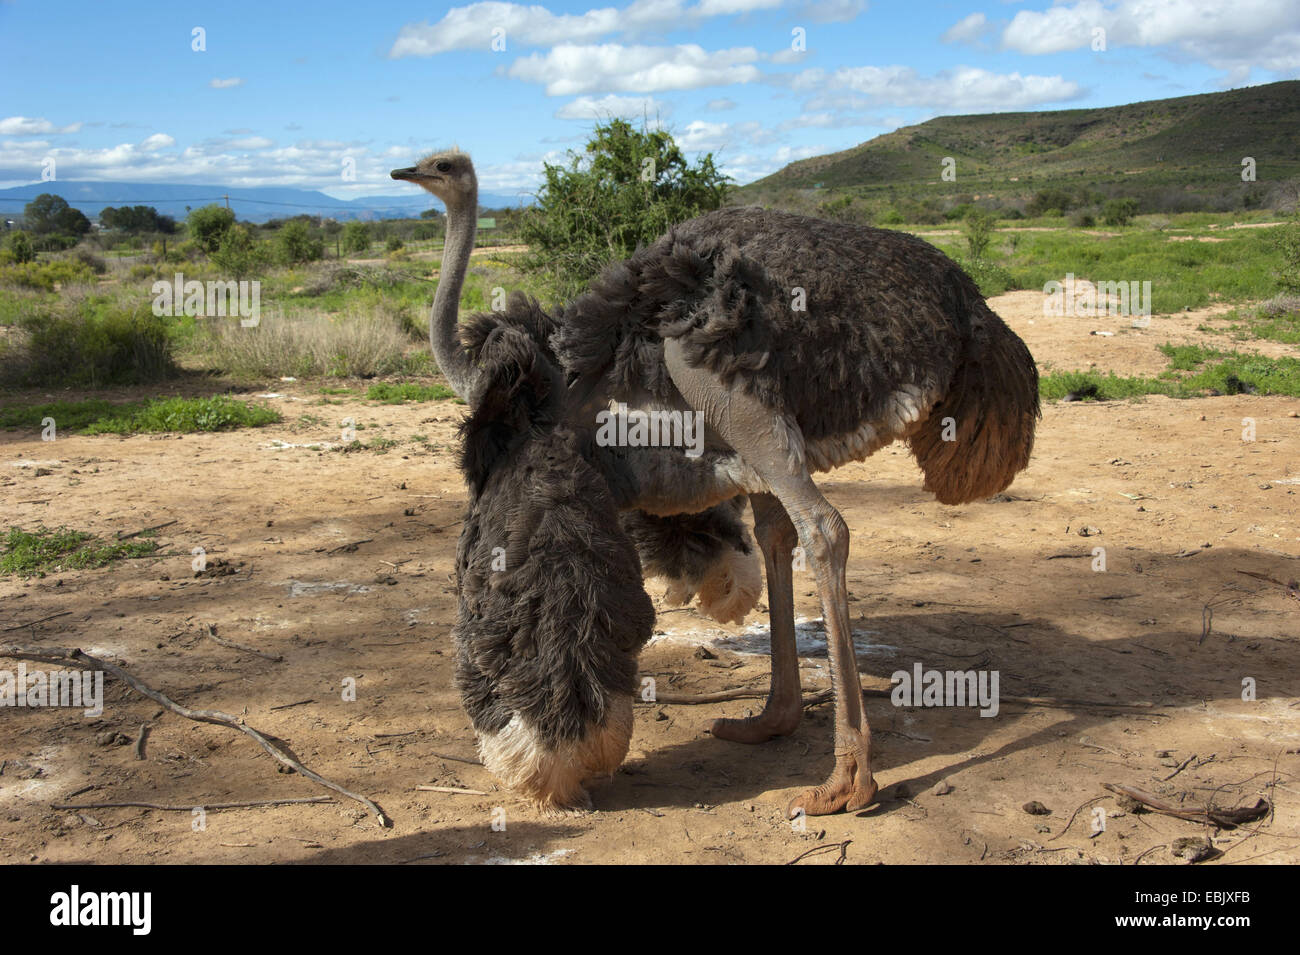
396	394
33	553
96	416
1194	371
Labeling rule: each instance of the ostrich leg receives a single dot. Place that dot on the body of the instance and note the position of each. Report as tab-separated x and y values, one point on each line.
748	427
784	707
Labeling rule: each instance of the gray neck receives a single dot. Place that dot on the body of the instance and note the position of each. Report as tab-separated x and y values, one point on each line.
444	321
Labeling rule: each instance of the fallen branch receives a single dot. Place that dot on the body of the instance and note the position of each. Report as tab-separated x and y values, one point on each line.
212	634
144	530
32	623
450	789
206	807
1224	818
76	657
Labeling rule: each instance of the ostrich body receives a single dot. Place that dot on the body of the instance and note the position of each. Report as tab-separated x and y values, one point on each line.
551	609
805	344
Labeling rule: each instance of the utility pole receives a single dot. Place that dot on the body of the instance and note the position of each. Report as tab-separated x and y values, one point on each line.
227	198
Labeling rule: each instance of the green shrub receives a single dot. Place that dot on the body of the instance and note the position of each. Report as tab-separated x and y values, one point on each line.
356	237
75	346
239	254
208	225
1119	212
294	244
19	246
978	227
43	276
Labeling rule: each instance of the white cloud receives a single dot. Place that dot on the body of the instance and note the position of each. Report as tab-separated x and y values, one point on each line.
570	69
963	88
23	126
718	105
157	141
1236	36
220	84
591	107
471	27
966	29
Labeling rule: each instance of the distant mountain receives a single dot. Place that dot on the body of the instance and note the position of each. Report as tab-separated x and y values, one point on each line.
255	205
1194	143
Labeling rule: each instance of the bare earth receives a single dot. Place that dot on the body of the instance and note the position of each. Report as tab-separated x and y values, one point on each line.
1136	671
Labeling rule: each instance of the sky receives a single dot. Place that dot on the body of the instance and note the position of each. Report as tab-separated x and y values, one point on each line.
332	95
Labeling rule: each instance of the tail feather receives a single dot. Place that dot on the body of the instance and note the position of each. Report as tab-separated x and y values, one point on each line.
980	434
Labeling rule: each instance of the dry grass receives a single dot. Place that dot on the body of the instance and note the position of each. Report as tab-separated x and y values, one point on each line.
310	344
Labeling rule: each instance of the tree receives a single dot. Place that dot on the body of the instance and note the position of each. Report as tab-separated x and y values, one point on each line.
239	254
1119	212
136	219
294	244
625	189
48	213
208	225
356	237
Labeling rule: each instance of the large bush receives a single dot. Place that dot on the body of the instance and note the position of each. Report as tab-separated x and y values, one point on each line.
76	345
240	255
294	244
208	225
356	237
625	189
18	248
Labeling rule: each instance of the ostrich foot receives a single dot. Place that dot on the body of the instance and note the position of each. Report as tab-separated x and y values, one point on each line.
777	719
850	787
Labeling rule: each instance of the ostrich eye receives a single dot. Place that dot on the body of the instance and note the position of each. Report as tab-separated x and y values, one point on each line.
443	166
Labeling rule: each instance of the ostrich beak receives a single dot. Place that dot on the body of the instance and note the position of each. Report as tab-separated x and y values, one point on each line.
410	173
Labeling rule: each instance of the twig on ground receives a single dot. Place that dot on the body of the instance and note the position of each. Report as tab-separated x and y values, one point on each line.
842	846
32	623
79	658
206	807
144	530
1223	818
450	789
212	634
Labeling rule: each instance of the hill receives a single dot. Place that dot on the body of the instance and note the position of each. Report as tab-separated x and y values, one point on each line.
253	205
1192	144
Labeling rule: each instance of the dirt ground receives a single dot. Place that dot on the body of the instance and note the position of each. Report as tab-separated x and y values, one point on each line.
343	564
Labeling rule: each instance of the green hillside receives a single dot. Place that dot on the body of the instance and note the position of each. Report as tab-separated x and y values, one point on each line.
1178	154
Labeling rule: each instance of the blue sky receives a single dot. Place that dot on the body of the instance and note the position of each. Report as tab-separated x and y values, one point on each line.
300	94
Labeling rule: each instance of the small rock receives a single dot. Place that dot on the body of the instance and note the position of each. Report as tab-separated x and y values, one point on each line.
704	653
1089	531
941	788
1192	848
1036	808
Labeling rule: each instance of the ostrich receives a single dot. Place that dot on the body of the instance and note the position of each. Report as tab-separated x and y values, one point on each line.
546	648
805	344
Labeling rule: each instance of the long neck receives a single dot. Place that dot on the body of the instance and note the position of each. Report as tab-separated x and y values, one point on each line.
444	328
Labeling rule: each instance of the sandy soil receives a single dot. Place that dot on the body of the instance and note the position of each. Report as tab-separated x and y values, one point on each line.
342	563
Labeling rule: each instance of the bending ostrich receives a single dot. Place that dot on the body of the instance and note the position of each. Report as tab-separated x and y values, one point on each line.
546	648
805	344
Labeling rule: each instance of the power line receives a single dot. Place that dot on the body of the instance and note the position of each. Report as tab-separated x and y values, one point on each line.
222	198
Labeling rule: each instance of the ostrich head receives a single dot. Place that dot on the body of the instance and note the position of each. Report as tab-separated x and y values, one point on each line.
448	174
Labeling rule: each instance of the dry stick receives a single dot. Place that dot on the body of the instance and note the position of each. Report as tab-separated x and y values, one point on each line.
1224	818
842	846
78	658
459	759
206	807
450	789
1181	767
144	530
32	623
1072	817
212	634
